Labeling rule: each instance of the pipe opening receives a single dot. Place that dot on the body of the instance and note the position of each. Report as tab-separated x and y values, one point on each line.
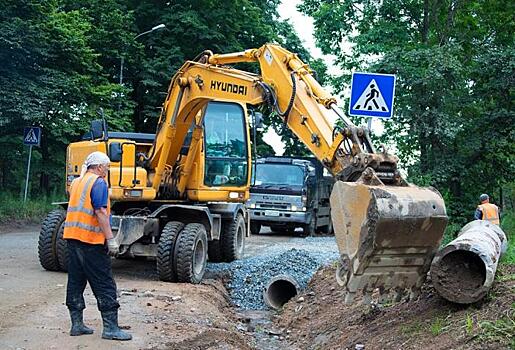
279	291
460	275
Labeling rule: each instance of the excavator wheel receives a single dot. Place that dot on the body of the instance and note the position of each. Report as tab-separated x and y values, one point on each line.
233	238
48	237
191	253
165	251
62	250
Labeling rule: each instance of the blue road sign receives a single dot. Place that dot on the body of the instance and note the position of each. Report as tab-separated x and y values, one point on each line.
32	136
372	95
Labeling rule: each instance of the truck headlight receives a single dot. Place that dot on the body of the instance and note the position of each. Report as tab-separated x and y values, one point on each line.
293	208
252	205
304	209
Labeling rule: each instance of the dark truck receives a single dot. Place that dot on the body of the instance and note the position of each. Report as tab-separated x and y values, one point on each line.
288	193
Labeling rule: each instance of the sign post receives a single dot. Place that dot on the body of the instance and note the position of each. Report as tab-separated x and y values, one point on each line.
31	137
372	95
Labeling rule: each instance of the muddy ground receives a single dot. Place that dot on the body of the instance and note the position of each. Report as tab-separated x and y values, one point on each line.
182	316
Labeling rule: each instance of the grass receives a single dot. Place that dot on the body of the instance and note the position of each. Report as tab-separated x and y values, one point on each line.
508	226
412	329
438	326
14	210
469	324
502	330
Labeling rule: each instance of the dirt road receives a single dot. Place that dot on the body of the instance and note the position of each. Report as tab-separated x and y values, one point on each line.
160	315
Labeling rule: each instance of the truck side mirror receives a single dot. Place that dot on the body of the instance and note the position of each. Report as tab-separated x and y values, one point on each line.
115	151
97	129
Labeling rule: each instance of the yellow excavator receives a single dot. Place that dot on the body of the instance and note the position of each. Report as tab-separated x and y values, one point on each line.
179	195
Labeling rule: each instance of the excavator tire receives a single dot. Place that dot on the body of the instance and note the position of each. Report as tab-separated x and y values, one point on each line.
48	236
386	235
191	253
165	251
233	238
62	250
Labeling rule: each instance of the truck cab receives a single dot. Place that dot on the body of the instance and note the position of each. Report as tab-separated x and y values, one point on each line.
287	193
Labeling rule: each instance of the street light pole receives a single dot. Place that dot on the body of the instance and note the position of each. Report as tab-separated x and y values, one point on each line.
122	60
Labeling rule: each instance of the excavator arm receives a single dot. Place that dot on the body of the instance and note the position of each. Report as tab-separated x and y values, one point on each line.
387	230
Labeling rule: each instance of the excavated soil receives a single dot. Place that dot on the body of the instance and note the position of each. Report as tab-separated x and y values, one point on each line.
459	273
319	319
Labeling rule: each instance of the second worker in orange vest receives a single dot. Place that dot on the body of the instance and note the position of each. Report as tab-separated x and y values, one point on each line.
86	230
487	211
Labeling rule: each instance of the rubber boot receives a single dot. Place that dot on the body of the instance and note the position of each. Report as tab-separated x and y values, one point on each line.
111	328
78	327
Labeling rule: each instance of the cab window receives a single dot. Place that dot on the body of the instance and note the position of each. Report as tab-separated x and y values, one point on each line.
225	145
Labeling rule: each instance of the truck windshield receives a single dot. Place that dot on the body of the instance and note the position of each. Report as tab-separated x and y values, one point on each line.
226	147
279	174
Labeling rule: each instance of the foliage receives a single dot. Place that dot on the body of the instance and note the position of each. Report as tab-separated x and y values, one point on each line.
13	209
61	63
500	330
508	226
454	124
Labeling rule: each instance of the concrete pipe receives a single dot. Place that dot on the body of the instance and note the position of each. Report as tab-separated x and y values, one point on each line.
279	290
464	270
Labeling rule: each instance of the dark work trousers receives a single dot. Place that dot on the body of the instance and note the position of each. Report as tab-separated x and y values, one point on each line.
90	263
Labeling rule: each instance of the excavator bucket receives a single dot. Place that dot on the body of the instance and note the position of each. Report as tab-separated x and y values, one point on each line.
386	235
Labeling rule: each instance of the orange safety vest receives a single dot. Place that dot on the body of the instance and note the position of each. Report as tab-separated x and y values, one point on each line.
490	212
81	223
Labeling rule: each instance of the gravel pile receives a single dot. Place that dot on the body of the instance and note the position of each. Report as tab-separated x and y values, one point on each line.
247	278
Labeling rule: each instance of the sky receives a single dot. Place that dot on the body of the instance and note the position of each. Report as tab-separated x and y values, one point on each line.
305	29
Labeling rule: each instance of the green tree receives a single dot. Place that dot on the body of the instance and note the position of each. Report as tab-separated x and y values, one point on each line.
454	119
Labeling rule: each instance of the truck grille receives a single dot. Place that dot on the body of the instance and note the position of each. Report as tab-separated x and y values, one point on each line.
271	206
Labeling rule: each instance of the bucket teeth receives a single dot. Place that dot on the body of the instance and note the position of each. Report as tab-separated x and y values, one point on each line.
386	235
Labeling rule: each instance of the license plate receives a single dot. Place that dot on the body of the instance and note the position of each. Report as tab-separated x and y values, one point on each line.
271	213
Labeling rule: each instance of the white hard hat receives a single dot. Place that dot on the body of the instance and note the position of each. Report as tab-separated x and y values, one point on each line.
97	158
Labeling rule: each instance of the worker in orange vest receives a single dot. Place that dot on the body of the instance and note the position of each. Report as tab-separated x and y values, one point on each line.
86	230
487	211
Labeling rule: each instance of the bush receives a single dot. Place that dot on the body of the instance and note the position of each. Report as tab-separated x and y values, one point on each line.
508	226
14	210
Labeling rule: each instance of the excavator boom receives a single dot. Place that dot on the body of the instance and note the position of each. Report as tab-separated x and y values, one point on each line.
387	230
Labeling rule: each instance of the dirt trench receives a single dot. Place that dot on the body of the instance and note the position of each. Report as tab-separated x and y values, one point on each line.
323	321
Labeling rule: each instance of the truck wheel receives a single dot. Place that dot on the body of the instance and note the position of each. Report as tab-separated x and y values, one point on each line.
47	243
276	229
191	253
255	228
327	229
214	251
233	238
62	250
309	229
165	251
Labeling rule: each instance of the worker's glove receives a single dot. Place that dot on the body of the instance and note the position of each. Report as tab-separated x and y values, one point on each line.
113	247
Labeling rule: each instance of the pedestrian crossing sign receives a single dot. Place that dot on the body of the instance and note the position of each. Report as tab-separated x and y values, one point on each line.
32	136
372	95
